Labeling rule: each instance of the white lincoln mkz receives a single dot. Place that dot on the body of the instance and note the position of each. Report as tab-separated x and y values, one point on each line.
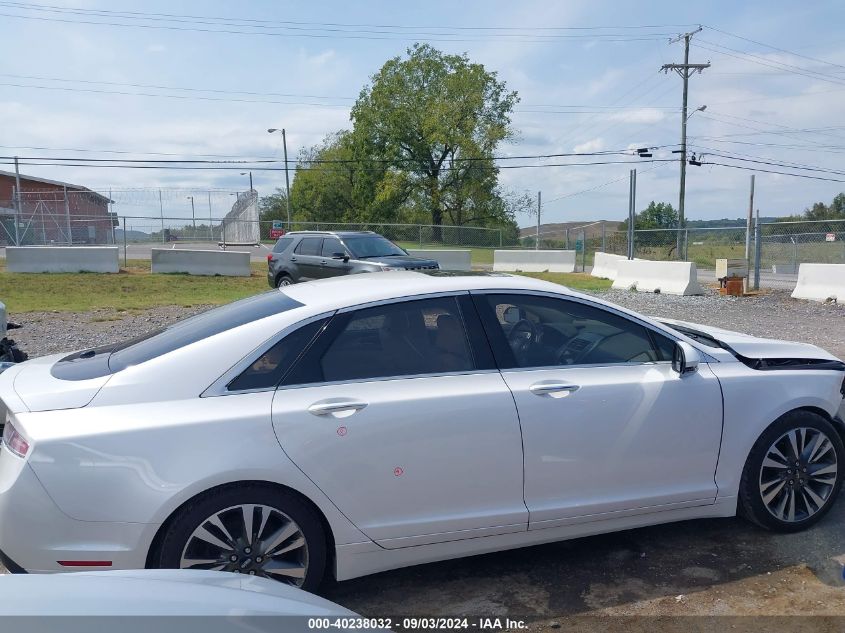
353	425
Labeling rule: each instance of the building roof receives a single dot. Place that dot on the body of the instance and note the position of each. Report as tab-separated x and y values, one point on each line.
59	183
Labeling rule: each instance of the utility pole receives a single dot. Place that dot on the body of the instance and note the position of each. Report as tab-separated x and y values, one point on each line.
18	205
161	211
748	233
632	213
685	71
537	241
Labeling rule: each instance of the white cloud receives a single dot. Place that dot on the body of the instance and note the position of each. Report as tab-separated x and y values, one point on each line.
594	145
156	48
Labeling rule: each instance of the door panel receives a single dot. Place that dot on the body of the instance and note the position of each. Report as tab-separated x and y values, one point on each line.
330	267
623	438
608	426
420	457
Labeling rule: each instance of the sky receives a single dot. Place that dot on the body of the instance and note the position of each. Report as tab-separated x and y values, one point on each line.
206	79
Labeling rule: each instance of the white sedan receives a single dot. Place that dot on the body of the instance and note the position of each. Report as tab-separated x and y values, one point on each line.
353	425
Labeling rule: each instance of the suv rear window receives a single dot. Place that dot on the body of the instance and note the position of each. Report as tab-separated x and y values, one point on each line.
282	245
109	359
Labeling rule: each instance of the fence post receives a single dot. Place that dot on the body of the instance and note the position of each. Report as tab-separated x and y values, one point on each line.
124	242
686	243
758	243
567	239
603	237
420	235
500	238
583	251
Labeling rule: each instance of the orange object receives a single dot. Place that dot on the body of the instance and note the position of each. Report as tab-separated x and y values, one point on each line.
733	287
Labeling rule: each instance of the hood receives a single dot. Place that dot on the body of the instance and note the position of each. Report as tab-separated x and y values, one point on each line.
164	592
39	390
403	261
751	347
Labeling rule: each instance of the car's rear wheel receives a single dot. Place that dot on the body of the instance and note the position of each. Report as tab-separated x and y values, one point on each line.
250	529
793	474
283	280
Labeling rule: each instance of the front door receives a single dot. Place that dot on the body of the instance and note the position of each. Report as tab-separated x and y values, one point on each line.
330	264
609	428
404	423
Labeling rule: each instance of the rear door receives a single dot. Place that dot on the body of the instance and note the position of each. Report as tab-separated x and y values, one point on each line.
307	256
398	414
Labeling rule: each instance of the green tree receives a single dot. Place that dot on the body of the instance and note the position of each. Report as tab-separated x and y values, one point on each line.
437	120
657	215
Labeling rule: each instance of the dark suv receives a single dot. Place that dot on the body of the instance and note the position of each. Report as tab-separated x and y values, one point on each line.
306	255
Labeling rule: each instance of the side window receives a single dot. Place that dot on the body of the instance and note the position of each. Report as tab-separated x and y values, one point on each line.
282	245
426	336
537	331
309	246
270	368
332	245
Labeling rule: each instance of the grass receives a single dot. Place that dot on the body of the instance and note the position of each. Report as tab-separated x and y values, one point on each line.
134	288
576	281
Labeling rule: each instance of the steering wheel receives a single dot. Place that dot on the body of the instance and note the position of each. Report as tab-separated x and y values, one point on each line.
522	336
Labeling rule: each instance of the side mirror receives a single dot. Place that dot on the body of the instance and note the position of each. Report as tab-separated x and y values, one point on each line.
342	256
685	358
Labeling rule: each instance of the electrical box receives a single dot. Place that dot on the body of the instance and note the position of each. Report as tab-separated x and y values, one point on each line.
731	269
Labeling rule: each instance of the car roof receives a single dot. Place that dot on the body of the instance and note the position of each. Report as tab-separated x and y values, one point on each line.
335	233
351	290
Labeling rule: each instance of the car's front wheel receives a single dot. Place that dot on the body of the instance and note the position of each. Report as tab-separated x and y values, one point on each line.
793	474
249	529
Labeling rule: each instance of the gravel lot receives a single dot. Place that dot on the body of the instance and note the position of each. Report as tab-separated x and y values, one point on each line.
713	567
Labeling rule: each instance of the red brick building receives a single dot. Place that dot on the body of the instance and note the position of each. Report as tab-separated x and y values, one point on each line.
53	212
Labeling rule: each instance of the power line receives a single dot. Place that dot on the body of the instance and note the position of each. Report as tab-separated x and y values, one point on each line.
770	171
775	48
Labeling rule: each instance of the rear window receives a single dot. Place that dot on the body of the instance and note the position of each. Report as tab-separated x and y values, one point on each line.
109	359
282	245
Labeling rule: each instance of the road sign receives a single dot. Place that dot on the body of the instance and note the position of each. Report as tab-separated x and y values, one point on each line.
579	245
830	237
277	230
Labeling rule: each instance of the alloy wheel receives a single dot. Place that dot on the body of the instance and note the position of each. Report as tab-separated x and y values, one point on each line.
798	474
249	539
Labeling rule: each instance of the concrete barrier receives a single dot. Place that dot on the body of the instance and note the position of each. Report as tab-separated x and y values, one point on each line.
62	259
458	259
672	278
194	262
605	265
784	269
534	261
820	282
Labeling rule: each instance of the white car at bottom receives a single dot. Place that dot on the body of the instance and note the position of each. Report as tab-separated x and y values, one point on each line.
353	425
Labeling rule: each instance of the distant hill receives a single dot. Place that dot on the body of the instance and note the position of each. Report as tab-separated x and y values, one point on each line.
557	230
131	235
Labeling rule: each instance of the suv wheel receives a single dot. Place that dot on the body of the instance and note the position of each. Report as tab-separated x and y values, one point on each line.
283	280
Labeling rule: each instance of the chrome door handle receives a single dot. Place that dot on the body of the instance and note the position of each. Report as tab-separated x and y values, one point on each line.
293	259
327	408
549	388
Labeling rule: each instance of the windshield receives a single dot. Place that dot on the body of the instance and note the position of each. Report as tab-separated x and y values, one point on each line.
372	246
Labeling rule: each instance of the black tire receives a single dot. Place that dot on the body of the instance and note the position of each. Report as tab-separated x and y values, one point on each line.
283	279
175	540
751	503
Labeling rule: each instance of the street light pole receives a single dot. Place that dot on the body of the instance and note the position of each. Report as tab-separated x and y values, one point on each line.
287	178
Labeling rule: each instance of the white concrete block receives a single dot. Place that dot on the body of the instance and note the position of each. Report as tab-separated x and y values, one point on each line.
605	265
455	259
820	282
197	262
673	278
62	259
784	269
534	261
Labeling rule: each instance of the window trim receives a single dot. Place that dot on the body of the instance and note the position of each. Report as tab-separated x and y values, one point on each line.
495	338
346	312
220	387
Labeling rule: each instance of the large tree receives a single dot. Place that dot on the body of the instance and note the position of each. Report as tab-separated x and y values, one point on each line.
437	119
